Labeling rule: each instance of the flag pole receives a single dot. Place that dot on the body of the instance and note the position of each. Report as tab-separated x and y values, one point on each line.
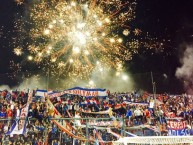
48	77
153	87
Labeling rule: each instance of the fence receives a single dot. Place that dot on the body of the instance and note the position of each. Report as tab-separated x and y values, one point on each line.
48	132
160	140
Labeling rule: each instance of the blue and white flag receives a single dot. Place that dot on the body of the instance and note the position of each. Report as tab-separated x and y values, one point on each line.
19	126
55	94
41	94
85	92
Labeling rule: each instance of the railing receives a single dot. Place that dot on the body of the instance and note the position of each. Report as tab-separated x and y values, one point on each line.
48	136
159	140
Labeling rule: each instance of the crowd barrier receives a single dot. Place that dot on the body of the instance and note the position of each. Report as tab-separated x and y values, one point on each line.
49	134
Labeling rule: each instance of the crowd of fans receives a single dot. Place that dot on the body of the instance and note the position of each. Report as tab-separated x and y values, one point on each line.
131	109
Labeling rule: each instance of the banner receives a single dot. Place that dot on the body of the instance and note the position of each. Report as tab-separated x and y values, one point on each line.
87	92
55	94
81	92
19	126
105	123
177	128
136	103
90	112
41	94
118	106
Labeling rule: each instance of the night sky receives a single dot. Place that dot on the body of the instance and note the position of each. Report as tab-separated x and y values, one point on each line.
164	19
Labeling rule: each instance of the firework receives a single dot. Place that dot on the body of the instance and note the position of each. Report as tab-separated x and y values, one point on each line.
16	69
73	37
18	51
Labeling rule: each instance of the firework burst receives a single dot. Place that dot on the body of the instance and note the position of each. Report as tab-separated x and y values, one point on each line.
74	37
18	51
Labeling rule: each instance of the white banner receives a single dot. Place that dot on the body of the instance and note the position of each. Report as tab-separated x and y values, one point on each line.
19	126
136	103
81	92
105	123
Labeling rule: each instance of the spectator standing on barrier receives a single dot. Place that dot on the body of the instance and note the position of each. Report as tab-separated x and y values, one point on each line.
9	115
129	115
147	114
159	115
137	114
77	122
17	112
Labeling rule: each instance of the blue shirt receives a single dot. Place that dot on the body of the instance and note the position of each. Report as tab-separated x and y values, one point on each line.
54	129
129	113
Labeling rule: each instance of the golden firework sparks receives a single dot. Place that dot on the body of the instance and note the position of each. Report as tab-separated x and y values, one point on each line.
137	32
18	51
80	32
74	35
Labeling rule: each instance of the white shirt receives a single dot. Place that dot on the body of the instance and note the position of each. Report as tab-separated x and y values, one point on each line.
12	106
5	128
69	107
77	107
58	99
77	120
137	112
18	113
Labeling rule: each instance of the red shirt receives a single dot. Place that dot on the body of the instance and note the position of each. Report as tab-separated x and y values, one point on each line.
147	113
9	113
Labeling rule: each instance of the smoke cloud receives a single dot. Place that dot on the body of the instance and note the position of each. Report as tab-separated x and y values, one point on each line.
100	78
108	79
4	87
31	83
185	72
